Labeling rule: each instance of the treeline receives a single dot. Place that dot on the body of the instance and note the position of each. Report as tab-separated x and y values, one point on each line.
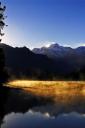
38	74
3	71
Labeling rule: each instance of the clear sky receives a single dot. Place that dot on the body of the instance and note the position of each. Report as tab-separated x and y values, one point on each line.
35	23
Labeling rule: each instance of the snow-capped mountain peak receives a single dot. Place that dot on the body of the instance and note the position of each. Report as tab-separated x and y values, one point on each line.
53	51
57	51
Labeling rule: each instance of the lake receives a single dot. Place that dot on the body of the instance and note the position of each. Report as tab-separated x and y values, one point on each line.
44	105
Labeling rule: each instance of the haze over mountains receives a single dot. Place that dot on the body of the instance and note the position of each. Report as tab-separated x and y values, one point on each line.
54	62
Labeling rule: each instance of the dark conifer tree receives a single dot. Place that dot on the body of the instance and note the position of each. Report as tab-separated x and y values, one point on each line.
4	91
3	73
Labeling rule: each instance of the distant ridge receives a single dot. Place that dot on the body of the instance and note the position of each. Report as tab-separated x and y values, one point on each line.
57	51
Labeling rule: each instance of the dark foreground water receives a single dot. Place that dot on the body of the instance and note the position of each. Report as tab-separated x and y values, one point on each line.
29	109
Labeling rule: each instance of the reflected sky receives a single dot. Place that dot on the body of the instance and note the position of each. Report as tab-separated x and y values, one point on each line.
32	119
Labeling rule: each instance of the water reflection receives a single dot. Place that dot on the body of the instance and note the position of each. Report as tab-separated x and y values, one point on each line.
38	120
47	104
53	101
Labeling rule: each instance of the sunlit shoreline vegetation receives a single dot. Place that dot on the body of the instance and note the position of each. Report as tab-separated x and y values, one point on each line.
66	92
33	83
48	85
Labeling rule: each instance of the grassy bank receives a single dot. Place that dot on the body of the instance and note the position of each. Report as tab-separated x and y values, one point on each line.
66	92
61	84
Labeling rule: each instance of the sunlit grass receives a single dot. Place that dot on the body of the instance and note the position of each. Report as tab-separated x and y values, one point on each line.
59	84
29	83
57	87
62	91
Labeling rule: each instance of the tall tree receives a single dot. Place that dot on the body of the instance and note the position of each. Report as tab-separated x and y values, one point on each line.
2	18
4	91
3	74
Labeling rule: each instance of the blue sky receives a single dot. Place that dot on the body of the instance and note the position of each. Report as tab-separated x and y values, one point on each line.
35	23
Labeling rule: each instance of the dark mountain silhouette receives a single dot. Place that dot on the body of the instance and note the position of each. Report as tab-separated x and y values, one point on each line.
22	62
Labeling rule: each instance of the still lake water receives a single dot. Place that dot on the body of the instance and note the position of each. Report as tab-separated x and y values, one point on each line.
44	108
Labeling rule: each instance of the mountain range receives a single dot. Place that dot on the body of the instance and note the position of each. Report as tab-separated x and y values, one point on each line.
54	62
56	51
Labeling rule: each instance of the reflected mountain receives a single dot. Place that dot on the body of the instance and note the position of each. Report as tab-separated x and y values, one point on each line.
17	100
32	119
